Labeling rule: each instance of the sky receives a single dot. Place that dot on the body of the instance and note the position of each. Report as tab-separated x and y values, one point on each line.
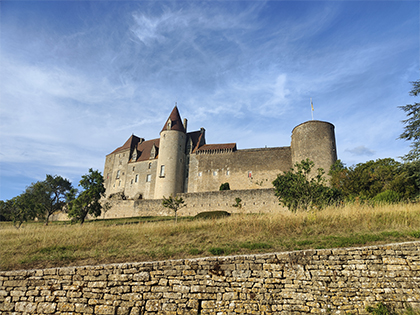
78	78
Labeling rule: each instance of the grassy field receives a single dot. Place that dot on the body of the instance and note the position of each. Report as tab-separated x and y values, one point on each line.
142	239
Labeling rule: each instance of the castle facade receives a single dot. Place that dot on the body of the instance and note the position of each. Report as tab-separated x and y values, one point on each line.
182	162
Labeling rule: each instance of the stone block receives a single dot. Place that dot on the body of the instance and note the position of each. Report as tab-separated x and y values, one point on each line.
25	307
104	309
83	308
65	307
46	308
152	306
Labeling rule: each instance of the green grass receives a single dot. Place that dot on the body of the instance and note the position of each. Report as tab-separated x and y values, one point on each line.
157	238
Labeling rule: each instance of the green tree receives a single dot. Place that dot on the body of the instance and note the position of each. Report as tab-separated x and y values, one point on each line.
173	203
21	208
87	201
50	195
364	180
298	189
4	212
407	182
224	186
412	125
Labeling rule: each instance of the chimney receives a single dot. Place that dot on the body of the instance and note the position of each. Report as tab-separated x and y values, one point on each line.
185	124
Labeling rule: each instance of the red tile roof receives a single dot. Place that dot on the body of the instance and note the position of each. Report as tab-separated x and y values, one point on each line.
217	147
176	122
145	148
129	144
197	138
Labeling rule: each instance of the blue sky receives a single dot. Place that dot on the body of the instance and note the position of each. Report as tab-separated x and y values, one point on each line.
77	78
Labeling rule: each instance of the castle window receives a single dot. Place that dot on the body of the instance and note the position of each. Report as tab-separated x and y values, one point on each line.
214	173
134	168
162	171
148	178
249	174
118	174
119	184
150	165
200	173
132	182
137	178
227	173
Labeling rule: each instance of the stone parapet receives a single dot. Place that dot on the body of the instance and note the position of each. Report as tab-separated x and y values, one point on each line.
321	281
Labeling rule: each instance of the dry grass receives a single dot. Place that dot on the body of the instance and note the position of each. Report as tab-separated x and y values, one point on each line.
39	246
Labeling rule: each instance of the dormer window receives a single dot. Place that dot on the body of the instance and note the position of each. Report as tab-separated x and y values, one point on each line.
169	124
134	155
153	152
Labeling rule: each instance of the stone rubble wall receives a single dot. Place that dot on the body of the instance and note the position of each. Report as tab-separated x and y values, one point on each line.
321	281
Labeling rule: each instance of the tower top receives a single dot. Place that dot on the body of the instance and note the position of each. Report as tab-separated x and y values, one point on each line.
174	121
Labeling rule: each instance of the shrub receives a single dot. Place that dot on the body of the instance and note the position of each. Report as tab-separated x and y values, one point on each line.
296	189
224	186
212	215
387	197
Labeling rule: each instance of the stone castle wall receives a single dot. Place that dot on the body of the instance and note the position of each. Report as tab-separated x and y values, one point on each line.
242	169
253	201
321	281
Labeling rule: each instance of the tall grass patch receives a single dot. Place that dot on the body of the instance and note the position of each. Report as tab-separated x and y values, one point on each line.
106	241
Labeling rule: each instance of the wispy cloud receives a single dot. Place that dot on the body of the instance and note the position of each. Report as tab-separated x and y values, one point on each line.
77	85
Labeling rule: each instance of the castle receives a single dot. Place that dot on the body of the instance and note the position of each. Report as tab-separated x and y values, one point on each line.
181	162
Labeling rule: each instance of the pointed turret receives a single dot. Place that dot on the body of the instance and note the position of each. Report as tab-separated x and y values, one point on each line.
174	121
171	159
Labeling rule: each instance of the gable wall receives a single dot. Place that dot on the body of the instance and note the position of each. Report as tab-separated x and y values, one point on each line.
115	162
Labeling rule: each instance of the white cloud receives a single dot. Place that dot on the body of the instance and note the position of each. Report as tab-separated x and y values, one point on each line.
361	150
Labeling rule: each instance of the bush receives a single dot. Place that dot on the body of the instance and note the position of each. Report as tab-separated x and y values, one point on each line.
224	186
387	197
296	189
212	215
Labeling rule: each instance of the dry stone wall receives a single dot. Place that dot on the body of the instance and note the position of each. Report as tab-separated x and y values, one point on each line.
324	281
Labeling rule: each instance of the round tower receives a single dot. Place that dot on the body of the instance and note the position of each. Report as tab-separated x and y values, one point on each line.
171	157
314	140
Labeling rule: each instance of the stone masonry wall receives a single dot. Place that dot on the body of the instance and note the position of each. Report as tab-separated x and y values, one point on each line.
322	281
253	201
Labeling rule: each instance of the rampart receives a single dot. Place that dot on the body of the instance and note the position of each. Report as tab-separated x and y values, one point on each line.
322	281
252	201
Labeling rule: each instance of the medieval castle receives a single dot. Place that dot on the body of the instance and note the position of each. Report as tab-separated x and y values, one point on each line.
181	162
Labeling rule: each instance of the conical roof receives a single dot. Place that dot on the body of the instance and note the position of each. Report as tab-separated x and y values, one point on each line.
174	121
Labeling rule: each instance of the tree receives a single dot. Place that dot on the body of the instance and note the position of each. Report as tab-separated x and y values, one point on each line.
87	201
297	189
173	203
50	195
412	125
20	208
224	186
365	180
